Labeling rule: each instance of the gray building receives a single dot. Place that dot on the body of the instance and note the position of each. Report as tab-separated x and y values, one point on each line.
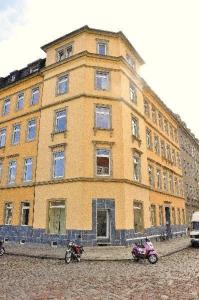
189	146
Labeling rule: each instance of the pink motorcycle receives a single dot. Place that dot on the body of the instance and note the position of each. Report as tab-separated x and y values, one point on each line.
145	250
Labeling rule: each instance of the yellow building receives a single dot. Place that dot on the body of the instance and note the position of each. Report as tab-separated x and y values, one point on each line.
105	158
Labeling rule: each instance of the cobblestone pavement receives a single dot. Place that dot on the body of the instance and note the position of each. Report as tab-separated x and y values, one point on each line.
174	277
95	253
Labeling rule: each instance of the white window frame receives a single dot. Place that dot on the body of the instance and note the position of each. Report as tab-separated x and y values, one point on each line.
60	80
2	137
25	207
106	112
135	127
103	155
16	129
27	162
57	117
12	166
103	75
34	91
19	98
99	43
136	162
133	93
5	104
54	162
8	207
34	125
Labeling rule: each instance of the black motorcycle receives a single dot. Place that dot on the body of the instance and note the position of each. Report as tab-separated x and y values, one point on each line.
2	249
73	252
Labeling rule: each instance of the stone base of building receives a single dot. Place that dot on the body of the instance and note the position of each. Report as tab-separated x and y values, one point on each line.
28	234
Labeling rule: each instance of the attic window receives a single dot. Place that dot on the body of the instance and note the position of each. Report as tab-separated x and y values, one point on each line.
34	69
64	52
60	55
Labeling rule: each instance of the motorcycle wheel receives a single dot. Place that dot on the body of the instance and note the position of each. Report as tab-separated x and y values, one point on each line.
2	251
78	258
134	257
153	259
68	257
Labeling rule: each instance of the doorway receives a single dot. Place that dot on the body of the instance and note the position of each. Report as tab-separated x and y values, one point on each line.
57	217
103	224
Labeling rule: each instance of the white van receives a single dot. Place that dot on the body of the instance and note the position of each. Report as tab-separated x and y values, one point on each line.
194	233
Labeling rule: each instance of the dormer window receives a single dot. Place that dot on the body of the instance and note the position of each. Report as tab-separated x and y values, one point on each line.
13	77
64	52
34	69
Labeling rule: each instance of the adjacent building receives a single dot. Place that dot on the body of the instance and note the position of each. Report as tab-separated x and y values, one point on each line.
96	155
189	146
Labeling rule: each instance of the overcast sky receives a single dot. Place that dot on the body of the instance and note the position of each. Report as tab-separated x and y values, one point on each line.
164	32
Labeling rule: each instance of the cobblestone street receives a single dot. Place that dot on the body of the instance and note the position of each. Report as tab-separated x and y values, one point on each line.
174	277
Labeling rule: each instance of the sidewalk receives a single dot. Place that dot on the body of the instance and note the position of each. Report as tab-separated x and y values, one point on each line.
163	248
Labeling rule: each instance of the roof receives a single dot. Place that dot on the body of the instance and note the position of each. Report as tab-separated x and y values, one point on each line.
86	28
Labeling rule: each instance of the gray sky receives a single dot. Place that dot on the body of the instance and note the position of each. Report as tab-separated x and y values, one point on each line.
164	32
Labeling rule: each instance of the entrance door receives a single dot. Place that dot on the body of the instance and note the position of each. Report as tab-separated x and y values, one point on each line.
57	217
103	224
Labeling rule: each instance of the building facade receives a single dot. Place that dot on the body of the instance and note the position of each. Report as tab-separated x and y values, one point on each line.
104	165
190	166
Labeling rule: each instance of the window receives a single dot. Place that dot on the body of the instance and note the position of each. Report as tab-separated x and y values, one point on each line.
25	211
171	132
1	169
60	54
153	215
136	167
159	179
174	215
175	135
174	157
178	160
130	61
165	180
102	80
154	114
161	217
160	120
166	127
60	121
12	171
171	183
183	216
176	186
148	139
146	108
103	162
20	101
58	164
35	96
138	216
135	127
16	134
27	169
2	137
168	153
156	145
64	52
151	176
69	51
62	85
31	132
102	117
6	107
102	48
179	216
133	93
8	214
163	150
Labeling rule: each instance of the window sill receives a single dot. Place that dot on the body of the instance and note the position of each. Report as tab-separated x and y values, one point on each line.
64	132
110	130
136	138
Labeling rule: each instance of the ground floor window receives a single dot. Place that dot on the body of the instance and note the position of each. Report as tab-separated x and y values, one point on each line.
57	217
161	216
179	217
173	216
25	211
8	213
138	216
153	215
183	216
